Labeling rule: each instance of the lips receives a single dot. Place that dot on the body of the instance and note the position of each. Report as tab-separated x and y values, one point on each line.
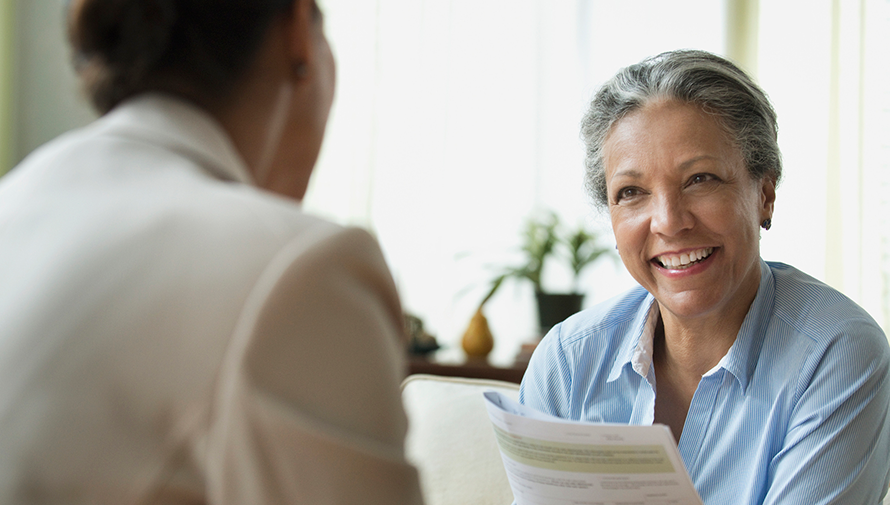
683	260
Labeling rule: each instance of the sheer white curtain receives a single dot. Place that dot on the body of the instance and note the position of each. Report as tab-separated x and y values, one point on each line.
455	120
828	80
861	165
876	160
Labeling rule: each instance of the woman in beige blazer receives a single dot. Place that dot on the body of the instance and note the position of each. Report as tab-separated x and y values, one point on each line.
173	328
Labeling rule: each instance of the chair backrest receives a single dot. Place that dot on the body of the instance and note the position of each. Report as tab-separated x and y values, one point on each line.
451	440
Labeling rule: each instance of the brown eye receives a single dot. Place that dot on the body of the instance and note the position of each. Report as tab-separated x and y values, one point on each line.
700	178
626	193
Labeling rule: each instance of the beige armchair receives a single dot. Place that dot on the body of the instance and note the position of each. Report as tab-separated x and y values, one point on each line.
451	440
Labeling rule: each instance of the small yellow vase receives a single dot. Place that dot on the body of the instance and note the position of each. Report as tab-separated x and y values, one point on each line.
478	341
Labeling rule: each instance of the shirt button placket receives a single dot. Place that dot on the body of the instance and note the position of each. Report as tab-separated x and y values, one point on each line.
701	410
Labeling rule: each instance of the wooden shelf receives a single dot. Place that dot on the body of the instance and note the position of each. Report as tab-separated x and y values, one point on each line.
471	368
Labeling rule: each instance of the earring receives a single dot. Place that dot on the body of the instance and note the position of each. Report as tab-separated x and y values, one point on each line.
766	224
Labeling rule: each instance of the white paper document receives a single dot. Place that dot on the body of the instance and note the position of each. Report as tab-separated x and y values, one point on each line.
553	461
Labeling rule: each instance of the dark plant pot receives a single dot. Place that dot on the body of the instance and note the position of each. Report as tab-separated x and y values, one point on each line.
554	308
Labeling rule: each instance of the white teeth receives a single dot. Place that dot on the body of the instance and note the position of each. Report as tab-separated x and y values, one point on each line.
684	260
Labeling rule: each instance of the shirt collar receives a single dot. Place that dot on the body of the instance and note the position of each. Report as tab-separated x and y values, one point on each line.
636	352
742	358
740	361
180	126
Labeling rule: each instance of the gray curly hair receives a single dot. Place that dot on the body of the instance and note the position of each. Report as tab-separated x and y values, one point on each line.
700	78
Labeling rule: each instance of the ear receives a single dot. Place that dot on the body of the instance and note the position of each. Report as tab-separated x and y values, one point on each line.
767	195
300	32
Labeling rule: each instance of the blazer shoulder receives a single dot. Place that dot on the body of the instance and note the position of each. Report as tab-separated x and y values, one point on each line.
323	248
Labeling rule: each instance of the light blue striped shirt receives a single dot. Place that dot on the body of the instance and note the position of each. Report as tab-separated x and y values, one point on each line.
795	413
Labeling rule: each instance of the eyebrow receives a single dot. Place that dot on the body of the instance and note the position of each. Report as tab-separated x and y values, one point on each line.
628	172
634	173
688	163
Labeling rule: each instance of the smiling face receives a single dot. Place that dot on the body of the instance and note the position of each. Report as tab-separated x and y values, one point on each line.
685	211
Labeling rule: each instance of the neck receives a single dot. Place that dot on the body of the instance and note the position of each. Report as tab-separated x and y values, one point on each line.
246	121
689	353
695	344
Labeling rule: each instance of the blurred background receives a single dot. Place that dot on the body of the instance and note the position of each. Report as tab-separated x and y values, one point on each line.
455	121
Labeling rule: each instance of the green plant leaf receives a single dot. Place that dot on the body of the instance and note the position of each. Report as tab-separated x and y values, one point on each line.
543	238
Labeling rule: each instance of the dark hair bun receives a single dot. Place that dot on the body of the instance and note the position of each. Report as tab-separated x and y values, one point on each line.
117	43
123	32
196	47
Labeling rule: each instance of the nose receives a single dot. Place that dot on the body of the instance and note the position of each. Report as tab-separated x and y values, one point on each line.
670	216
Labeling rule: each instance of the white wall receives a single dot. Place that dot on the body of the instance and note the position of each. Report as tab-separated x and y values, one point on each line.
462	119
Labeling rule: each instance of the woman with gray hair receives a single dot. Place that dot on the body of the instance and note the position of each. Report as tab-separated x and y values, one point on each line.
774	384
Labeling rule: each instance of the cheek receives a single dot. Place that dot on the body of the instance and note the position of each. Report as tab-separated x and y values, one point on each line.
327	70
630	229
735	217
332	79
746	207
618	225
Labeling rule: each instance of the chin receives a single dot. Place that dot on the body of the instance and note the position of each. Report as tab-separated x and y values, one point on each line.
692	305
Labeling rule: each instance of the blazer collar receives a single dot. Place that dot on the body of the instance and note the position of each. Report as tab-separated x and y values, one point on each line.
180	126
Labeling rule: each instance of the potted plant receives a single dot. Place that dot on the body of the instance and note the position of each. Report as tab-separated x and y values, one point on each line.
543	238
582	249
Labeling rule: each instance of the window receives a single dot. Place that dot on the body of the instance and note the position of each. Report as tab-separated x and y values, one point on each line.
455	120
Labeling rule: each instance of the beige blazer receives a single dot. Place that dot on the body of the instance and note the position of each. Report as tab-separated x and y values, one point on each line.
169	333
